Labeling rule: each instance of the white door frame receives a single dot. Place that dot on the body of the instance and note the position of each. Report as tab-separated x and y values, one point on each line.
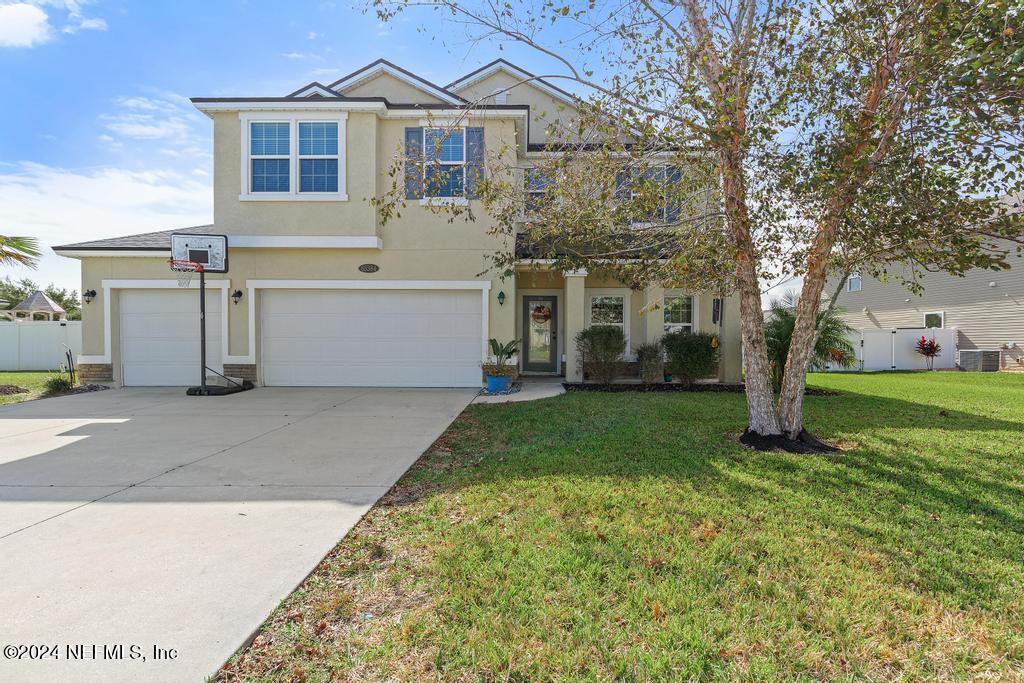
109	285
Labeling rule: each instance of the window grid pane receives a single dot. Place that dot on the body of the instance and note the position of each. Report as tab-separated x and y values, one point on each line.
318	175
606	310
269	139
678	310
270	175
318	138
445	181
453	146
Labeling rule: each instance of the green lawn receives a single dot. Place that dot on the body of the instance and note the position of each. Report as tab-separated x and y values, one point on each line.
33	381
628	536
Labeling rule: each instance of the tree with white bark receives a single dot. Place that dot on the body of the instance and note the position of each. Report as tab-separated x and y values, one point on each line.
717	143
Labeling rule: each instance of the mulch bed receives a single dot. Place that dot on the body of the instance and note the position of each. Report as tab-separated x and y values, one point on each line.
672	388
11	390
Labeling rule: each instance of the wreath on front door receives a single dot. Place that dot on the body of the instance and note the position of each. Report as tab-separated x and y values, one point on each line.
541	314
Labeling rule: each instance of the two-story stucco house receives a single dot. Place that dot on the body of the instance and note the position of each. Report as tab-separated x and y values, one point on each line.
321	291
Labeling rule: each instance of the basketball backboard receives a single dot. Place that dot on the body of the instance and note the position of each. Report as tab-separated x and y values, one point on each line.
209	250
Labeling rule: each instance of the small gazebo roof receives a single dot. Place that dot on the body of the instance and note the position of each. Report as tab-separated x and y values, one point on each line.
39	302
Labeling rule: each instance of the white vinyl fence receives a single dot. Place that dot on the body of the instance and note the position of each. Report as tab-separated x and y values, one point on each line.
894	349
38	345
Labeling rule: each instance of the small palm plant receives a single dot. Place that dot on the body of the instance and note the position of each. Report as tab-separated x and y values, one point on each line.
22	251
502	355
832	344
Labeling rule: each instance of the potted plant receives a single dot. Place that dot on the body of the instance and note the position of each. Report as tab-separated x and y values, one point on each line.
499	374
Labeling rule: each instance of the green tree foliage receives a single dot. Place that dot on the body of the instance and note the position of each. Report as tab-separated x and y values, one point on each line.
15	292
23	251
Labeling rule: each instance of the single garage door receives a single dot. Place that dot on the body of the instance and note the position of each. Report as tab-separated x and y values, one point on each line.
160	336
378	338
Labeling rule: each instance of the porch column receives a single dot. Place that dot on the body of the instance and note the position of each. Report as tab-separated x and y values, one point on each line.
575	320
654	318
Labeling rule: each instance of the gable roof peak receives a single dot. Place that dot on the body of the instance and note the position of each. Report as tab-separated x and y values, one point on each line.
384	66
502	64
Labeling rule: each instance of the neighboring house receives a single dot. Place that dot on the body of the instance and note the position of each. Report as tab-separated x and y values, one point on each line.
985	307
320	292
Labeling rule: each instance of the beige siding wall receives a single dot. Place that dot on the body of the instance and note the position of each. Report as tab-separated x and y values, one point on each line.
986	307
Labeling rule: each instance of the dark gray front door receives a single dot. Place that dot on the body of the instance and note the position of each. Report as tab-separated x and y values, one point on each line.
540	334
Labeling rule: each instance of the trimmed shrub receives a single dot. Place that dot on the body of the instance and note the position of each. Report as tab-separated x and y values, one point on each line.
691	355
651	357
600	350
57	384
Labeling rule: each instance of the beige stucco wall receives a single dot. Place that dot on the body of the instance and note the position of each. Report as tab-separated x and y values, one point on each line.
545	110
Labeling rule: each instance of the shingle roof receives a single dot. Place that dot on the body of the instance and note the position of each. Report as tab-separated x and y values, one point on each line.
38	302
147	241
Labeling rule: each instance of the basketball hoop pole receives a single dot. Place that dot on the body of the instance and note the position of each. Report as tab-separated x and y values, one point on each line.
202	331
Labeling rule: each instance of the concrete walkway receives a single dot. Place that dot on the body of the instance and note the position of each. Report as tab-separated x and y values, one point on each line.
141	518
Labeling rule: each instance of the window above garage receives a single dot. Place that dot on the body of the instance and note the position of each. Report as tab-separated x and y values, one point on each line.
293	157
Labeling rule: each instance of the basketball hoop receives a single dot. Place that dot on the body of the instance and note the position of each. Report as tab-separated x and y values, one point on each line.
185	270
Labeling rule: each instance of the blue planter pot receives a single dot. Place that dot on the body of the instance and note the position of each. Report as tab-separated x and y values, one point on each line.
497	383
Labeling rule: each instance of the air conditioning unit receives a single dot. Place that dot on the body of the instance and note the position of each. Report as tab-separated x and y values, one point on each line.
976	360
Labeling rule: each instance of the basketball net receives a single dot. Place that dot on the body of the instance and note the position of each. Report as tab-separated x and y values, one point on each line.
184	271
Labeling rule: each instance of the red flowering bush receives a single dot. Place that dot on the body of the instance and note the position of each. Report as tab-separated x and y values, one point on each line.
929	348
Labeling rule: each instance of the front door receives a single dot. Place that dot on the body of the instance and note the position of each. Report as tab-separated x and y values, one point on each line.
540	334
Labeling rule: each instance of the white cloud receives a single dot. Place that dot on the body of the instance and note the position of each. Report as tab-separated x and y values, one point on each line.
294	55
86	25
23	25
153	118
61	206
312	35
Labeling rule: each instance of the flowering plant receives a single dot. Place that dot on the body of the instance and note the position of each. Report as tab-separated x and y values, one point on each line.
929	348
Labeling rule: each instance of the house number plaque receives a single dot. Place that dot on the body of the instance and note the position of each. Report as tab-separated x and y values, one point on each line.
369	268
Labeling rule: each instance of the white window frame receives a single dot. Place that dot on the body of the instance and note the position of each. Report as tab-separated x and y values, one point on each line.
527	214
300	157
855	275
458	200
942	317
294	194
675	327
624	294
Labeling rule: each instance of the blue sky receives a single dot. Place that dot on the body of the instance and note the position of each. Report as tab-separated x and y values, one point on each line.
99	138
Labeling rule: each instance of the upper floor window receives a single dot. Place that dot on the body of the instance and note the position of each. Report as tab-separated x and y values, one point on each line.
935	319
443	163
293	158
635	186
536	189
445	170
853	283
678	313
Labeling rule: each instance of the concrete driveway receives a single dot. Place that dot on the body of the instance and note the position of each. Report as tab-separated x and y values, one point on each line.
144	519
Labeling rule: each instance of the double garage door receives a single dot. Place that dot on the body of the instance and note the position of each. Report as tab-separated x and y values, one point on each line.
383	338
387	338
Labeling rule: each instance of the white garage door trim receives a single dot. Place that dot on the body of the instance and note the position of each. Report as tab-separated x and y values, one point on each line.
252	285
159	339
109	285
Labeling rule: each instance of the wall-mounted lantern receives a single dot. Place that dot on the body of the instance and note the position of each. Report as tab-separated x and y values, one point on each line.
89	295
236	296
501	298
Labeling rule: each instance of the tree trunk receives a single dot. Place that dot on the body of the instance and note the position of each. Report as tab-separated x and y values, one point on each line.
805	331
762	419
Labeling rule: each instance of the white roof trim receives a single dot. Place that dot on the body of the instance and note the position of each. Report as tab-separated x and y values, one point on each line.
315	90
538	83
378	69
322	105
